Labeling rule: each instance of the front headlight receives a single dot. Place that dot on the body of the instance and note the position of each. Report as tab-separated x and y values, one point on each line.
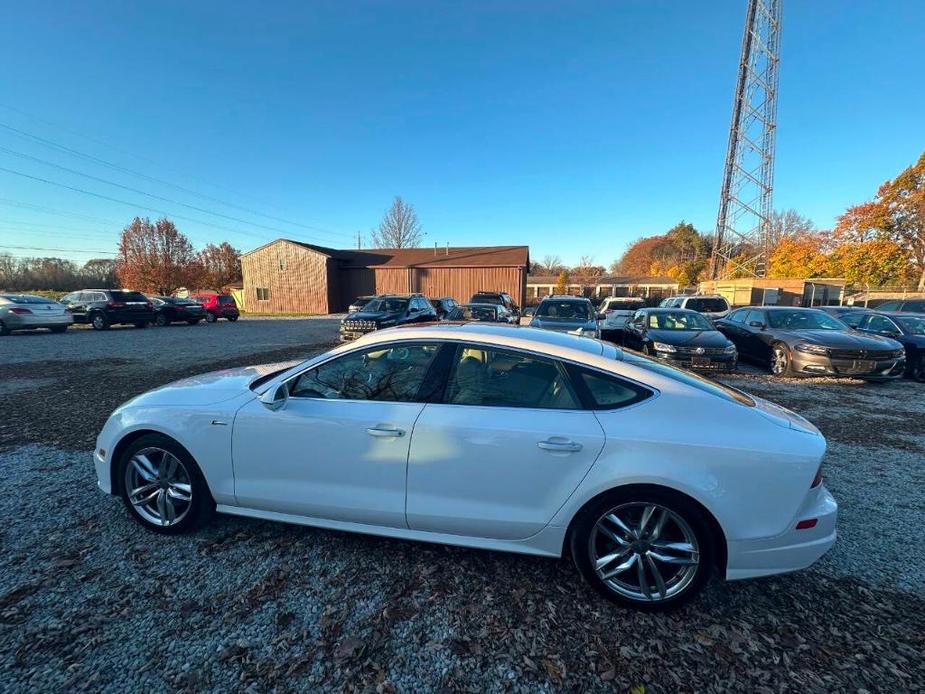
731	349
810	348
663	347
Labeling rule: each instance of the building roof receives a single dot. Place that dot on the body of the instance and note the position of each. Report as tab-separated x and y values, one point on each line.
638	279
547	279
454	256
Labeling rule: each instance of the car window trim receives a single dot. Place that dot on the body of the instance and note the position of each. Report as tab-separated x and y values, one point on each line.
644	393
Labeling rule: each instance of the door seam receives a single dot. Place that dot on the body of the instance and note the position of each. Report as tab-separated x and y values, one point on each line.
408	462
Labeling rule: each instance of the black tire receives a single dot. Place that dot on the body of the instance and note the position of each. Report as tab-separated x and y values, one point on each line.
160	320
4	331
195	321
99	321
918	369
200	508
687	582
58	328
232	318
142	324
647	350
780	364
210	318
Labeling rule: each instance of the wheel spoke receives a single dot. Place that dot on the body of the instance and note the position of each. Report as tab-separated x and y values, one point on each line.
643	581
633	558
605	560
171	466
169	508
674	546
677	561
612	535
162	506
659	524
613	518
657	575
142	500
176	491
644	521
144	467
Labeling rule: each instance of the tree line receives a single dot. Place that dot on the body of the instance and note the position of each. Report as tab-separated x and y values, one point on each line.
153	257
878	243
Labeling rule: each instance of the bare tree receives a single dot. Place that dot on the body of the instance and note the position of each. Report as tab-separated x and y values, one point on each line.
399	227
549	265
788	223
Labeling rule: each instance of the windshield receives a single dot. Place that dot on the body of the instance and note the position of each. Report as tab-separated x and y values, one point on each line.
912	325
565	310
705	305
473	313
226	300
634	305
386	305
690	378
803	320
678	321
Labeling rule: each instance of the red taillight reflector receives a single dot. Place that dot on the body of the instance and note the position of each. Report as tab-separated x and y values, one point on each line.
116	304
808	523
817	480
20	311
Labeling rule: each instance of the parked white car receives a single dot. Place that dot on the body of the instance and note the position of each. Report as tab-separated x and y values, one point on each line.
489	436
617	311
713	306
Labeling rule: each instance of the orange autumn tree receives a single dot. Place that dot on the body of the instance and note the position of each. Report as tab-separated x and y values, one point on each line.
799	256
875	262
155	257
896	214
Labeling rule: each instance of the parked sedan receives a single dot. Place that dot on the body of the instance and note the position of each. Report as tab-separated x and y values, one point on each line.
488	436
28	312
170	309
809	342
906	328
618	310
491	313
567	314
681	337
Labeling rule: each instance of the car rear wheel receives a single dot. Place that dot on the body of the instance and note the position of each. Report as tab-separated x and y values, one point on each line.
162	487
780	360
99	321
232	318
3	329
194	321
648	549
160	320
210	318
141	324
918	370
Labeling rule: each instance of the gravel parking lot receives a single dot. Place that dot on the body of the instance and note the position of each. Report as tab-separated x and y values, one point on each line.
90	601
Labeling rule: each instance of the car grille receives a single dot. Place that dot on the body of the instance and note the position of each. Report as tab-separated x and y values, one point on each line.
865	353
359	325
705	351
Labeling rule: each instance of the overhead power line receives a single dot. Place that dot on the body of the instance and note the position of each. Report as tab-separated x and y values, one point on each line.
60	213
154	179
58	250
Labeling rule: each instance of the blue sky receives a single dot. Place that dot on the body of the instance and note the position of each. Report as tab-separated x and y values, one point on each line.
574	127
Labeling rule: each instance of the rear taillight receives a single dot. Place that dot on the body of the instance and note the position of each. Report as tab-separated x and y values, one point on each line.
149	305
115	304
807	524
20	311
817	480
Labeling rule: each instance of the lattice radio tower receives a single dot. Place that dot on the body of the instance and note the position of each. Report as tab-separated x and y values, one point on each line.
744	219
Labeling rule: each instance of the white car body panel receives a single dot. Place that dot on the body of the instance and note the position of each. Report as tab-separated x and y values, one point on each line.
475	476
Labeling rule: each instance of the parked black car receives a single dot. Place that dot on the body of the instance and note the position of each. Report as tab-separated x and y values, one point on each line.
443	306
359	303
387	311
503	298
850	315
170	309
490	313
681	337
908	329
104	307
904	305
810	342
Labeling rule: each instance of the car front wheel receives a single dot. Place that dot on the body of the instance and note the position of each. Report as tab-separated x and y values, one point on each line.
780	360
160	320
99	322
210	318
162	487
648	549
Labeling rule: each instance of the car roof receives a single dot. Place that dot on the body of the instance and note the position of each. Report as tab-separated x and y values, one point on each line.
668	309
479	305
499	335
564	297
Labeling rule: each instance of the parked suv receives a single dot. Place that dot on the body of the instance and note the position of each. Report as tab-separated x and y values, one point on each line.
618	310
567	314
104	307
218	306
502	298
711	305
443	306
387	311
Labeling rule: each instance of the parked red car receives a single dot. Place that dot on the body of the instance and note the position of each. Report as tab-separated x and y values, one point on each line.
218	306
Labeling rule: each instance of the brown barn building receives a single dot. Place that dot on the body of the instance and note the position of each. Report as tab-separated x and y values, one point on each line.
286	276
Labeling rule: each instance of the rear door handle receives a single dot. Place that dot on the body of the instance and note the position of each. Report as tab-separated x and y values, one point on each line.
385	432
559	445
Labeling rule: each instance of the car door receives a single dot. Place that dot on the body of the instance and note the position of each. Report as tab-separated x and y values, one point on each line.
731	326
752	343
502	450
338	449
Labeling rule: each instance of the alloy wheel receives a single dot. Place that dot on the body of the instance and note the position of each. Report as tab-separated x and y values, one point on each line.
158	486
779	361
644	552
99	322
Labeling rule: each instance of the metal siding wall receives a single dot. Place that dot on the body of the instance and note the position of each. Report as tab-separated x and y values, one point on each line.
392	281
300	287
462	283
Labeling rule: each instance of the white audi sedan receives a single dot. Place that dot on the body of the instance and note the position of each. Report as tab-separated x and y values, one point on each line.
489	436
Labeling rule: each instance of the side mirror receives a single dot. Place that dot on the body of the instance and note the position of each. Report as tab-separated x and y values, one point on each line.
601	316
276	398
756	324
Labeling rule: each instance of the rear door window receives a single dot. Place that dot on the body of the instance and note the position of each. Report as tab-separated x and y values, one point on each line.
605	391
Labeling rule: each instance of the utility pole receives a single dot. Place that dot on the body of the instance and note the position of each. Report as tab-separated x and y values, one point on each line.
745	207
359	240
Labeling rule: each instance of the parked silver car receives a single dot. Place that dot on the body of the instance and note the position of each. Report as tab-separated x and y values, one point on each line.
567	314
28	312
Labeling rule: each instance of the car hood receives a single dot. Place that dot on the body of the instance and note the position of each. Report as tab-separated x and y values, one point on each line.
692	338
371	315
206	389
838	338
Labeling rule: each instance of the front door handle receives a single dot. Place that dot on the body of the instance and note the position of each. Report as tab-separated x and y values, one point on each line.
559	445
385	432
